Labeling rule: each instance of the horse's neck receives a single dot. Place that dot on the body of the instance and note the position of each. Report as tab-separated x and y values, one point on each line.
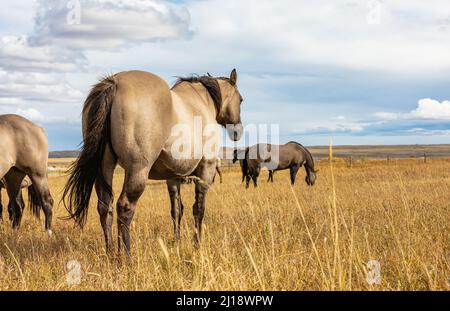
308	168
309	162
193	96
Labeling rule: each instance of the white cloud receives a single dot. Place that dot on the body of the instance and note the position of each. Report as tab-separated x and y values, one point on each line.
31	114
288	34
336	128
10	101
387	115
427	109
108	24
432	109
17	54
30	86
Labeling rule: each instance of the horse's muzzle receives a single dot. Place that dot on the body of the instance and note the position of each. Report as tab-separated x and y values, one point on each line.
235	131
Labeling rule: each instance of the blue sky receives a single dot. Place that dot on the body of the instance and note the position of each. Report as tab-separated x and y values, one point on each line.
356	71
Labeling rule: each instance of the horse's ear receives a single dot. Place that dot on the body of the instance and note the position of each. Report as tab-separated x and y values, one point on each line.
233	77
209	75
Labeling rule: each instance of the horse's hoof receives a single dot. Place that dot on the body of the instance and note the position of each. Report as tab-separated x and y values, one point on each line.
49	233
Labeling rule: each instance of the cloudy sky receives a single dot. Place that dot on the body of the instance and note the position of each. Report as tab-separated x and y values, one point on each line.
359	71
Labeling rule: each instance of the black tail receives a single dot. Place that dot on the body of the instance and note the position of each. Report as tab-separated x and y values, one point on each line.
34	201
88	167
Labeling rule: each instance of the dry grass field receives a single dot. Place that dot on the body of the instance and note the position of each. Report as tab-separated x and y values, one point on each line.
271	238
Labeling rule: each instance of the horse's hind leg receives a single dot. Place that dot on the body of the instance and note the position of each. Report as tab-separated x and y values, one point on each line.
40	193
105	199
4	168
205	171
133	187
13	182
177	208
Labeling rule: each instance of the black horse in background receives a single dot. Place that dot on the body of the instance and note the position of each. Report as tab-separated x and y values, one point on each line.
291	155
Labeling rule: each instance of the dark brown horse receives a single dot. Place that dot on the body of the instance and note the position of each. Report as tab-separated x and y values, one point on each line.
291	155
239	155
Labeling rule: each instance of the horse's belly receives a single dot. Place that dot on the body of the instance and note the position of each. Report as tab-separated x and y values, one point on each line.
167	167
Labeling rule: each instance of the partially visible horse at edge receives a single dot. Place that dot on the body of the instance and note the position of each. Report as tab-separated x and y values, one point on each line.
24	152
127	120
291	155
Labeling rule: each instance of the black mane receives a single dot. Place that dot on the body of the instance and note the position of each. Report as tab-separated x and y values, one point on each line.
210	84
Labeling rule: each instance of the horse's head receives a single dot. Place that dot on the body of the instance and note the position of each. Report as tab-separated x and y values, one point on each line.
311	177
230	109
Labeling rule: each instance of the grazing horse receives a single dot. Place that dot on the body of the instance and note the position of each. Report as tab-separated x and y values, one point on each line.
24	151
291	155
129	119
26	182
244	168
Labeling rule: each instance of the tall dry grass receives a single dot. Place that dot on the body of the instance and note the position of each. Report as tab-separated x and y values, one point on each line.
271	238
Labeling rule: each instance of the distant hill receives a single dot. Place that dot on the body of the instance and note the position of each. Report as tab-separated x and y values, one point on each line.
64	154
370	151
375	151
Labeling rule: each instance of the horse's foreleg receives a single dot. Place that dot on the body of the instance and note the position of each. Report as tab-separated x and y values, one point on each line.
255	180
255	175
293	172
247	181
173	187
105	200
270	179
133	187
219	172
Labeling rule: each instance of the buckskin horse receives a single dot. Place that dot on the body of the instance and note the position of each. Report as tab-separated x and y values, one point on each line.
127	119
24	151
